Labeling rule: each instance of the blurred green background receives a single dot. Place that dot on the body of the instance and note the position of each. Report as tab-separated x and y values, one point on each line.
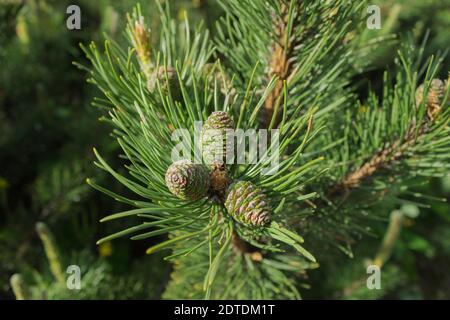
48	128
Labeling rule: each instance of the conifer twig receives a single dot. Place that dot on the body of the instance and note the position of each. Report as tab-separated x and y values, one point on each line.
280	66
51	251
280	62
390	238
384	252
393	152
381	159
18	285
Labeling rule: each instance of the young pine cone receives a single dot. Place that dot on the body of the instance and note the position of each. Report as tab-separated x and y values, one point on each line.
436	93
215	77
215	145
171	82
187	180
247	204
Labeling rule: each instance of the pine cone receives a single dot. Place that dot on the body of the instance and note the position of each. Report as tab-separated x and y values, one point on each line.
214	76
215	145
436	93
171	82
247	204
187	180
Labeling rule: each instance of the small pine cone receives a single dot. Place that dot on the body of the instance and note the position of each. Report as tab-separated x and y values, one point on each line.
215	145
187	180
436	93
219	120
247	204
171	82
214	76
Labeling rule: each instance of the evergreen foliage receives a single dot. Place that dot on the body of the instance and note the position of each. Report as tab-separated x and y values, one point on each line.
363	126
47	130
340	155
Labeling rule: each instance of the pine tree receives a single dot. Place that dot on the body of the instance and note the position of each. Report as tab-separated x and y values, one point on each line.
284	65
97	279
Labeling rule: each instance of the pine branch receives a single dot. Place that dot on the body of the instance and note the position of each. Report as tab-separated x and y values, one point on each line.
211	229
390	153
390	238
189	213
382	159
51	251
420	123
19	287
280	62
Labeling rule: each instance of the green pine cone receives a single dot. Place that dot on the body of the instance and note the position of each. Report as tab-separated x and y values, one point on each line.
247	204
436	94
215	145
171	82
187	180
214	76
